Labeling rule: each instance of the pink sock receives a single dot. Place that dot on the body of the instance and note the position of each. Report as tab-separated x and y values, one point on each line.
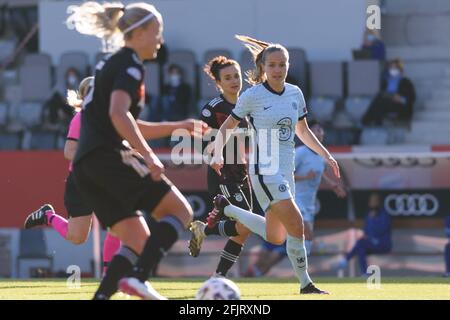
110	248
58	223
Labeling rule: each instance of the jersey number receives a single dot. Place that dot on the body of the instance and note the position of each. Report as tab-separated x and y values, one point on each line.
285	130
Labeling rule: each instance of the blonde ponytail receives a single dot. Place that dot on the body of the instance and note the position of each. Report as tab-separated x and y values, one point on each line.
110	21
75	98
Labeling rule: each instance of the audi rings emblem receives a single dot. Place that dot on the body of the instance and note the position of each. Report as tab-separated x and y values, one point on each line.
411	204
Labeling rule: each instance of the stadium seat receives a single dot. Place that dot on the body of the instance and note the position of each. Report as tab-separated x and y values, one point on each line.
326	89
35	88
10	140
39	140
321	108
397	135
76	59
247	64
374	136
363	78
363	85
327	79
13	94
207	86
34	59
151	80
29	114
356	107
33	246
341	120
298	67
7	48
3	114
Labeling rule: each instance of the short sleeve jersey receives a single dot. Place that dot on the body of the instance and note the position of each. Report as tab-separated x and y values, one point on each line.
124	71
214	113
306	190
74	130
273	117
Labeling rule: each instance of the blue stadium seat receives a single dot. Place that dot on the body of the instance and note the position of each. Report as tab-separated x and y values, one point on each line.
43	140
3	114
30	114
75	59
33	246
151	80
363	85
42	59
298	67
10	141
374	136
35	88
327	89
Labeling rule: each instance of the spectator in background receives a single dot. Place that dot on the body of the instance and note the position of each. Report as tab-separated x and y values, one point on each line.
374	45
176	95
309	172
376	238
57	113
447	248
73	79
396	98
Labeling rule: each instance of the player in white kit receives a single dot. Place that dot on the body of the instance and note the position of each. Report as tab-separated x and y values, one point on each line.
277	111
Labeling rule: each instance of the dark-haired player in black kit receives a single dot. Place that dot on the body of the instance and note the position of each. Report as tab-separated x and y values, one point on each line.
234	182
116	171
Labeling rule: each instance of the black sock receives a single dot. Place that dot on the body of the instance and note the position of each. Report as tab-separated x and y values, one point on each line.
163	236
226	228
120	265
228	257
169	236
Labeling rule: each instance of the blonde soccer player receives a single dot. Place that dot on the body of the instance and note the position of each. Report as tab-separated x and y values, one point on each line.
277	111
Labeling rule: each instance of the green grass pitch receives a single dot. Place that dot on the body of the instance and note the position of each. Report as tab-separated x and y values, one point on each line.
258	289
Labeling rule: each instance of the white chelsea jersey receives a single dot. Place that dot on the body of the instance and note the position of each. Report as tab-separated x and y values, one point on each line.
273	117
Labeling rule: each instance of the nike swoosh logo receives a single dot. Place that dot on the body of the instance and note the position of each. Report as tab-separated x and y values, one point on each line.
265	108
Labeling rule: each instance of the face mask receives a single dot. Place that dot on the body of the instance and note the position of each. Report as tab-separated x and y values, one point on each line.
72	80
394	72
175	80
370	37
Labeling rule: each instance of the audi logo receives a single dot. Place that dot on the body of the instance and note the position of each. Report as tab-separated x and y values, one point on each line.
411	204
396	162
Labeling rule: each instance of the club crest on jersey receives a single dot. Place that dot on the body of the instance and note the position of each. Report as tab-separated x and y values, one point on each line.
238	197
294	105
135	73
282	188
206	113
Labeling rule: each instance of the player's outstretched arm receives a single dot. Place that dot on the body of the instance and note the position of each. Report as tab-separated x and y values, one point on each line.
309	139
221	140
156	130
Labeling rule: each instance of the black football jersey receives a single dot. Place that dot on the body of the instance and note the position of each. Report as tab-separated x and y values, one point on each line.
122	70
214	113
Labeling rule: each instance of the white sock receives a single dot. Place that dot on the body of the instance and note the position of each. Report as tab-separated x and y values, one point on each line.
296	251
254	222
308	245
